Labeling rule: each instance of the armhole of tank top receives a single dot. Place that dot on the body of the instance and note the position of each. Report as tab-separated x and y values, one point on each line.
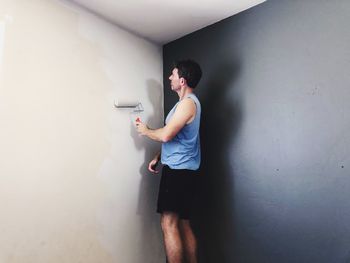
195	113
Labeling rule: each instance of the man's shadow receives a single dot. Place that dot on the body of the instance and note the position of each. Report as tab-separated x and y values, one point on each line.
150	237
220	121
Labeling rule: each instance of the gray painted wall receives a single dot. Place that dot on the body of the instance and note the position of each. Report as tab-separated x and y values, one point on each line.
275	133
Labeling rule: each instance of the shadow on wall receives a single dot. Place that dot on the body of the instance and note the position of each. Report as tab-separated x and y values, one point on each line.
148	189
220	121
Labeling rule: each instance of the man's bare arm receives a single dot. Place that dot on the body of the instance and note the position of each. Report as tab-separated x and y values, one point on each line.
157	156
183	113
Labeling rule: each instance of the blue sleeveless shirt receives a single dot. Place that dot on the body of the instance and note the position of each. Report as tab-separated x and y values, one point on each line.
183	151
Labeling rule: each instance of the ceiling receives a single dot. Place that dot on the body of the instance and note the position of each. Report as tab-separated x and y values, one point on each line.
162	21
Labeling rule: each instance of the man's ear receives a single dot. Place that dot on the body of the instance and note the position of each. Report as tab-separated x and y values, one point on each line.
182	81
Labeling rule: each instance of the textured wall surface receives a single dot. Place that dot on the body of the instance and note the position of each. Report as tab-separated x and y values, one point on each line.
275	133
73	180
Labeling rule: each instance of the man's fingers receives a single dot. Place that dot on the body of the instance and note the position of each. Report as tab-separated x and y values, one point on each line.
150	167
153	171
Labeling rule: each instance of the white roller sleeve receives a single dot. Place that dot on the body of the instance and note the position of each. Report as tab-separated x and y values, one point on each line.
126	103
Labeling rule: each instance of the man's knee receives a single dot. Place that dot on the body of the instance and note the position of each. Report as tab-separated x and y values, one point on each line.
169	221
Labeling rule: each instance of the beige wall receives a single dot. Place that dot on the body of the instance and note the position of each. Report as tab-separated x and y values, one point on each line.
73	180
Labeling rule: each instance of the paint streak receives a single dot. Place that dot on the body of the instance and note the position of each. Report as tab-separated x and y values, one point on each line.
3	20
2	41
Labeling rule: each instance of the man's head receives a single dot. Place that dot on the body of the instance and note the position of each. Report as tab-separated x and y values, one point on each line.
185	73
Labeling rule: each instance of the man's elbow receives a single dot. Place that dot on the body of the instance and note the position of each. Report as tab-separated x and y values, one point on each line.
166	137
168	134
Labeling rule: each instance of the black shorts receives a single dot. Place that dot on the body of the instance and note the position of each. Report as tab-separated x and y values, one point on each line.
177	191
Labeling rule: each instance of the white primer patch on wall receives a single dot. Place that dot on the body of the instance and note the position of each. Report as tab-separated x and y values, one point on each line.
135	218
3	21
74	184
2	41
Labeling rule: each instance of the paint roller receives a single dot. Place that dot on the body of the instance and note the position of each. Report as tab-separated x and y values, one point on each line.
129	104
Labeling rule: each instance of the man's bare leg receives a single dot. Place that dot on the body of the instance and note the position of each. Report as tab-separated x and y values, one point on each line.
172	239
189	241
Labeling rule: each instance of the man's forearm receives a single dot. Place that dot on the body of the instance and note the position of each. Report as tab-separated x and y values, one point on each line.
157	157
156	135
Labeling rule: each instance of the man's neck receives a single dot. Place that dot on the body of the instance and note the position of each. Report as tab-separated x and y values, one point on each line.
183	92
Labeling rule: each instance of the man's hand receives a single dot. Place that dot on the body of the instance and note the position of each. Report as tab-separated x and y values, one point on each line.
152	165
141	127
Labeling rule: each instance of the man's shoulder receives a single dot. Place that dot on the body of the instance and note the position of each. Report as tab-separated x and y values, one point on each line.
187	103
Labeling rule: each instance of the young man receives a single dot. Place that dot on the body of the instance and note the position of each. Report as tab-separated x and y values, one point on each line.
180	155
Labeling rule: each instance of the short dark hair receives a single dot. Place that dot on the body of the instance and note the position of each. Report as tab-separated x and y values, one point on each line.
189	70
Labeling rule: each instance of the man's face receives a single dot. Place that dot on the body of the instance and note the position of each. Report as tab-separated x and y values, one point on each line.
175	81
